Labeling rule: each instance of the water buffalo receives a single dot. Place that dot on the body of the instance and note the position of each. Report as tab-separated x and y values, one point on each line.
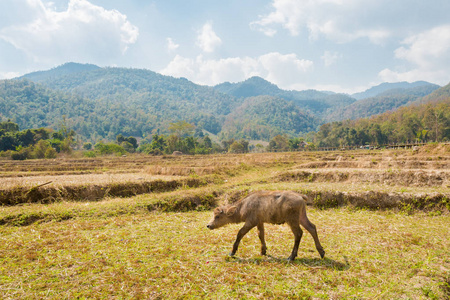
276	207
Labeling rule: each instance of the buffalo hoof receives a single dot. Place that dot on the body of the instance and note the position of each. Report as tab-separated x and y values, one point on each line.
290	258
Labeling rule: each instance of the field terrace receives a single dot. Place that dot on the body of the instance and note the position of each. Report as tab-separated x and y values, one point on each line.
134	227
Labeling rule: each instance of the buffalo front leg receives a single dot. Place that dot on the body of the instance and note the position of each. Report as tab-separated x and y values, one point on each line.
261	238
298	232
243	231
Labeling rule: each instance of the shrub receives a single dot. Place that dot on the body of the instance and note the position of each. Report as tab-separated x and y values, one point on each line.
127	146
40	148
19	155
50	153
87	146
89	154
109	148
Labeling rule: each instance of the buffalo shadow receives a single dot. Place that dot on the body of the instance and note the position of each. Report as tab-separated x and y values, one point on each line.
314	263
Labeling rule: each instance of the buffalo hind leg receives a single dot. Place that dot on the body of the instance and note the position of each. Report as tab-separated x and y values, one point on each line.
261	238
243	231
313	231
297	231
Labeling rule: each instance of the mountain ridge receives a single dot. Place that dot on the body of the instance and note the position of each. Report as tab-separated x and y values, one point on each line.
310	100
64	69
139	97
385	101
386	86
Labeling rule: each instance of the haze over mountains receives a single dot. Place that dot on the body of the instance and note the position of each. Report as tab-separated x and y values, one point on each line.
103	102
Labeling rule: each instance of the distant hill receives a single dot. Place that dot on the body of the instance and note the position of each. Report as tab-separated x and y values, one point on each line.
32	105
424	120
438	95
376	90
383	102
120	84
262	117
66	69
254	86
310	100
100	103
167	98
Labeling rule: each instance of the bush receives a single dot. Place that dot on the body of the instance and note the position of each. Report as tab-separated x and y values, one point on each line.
202	150
40	148
50	153
19	155
89	154
56	144
239	147
127	146
109	148
87	146
150	149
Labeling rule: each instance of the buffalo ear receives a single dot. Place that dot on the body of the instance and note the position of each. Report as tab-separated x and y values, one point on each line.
231	211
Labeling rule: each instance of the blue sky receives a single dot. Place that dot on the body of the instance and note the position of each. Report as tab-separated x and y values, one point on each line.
338	45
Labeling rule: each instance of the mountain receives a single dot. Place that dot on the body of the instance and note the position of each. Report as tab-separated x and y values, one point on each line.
167	98
263	117
66	69
438	95
254	86
376	90
386	101
104	102
100	103
33	105
120	84
421	121
313	101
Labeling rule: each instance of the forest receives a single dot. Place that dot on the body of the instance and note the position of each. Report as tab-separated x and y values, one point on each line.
32	105
429	122
383	102
127	110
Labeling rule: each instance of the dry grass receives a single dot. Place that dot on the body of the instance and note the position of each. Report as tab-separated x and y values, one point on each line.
370	255
80	180
136	248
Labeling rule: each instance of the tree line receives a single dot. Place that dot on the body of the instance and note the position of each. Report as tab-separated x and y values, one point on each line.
271	119
429	122
185	138
34	143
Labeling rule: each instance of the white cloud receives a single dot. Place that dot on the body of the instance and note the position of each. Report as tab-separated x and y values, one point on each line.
290	14
426	49
83	32
180	67
428	52
284	70
330	57
171	45
207	39
8	75
337	20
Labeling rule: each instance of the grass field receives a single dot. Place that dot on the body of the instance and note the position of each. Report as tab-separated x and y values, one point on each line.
155	245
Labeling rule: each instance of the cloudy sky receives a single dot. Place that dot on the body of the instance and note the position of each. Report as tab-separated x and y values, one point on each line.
337	45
